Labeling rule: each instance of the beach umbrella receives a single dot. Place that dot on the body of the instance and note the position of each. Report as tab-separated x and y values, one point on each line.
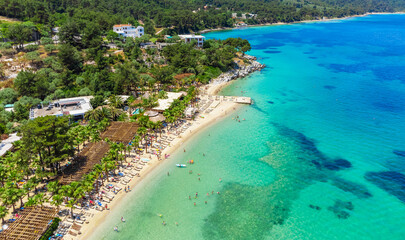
158	118
151	113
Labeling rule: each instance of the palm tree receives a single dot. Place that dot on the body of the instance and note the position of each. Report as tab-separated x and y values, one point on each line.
102	126
28	186
88	182
57	200
10	195
75	192
32	202
94	136
40	199
122	149
159	125
3	213
105	113
128	149
3	174
20	194
107	165
98	170
115	113
115	101
53	187
142	132
94	114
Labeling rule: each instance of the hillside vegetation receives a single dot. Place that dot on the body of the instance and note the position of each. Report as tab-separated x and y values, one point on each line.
186	15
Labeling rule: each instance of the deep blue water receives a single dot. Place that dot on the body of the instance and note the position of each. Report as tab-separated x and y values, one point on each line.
321	154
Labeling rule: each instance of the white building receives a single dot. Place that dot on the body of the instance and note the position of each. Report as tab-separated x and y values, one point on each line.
198	38
75	107
127	30
166	103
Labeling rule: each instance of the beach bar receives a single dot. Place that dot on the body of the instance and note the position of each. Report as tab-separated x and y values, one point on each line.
32	223
84	162
122	132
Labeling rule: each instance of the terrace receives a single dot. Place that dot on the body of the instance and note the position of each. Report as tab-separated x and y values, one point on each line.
122	132
92	154
76	107
84	162
32	223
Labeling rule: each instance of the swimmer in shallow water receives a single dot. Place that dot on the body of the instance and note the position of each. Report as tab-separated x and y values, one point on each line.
116	228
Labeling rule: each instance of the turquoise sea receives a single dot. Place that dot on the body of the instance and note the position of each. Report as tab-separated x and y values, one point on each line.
318	156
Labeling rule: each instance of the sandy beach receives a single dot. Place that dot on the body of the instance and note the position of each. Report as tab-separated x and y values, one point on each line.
202	121
306	21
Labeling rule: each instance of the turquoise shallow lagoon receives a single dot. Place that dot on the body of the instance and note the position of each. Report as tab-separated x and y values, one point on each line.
318	157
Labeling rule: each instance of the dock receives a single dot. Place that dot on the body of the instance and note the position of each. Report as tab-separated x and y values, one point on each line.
243	100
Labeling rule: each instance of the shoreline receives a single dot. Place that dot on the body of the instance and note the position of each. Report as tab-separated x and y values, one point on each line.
224	109
296	22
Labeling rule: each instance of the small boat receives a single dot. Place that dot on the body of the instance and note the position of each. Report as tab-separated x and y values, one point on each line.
181	165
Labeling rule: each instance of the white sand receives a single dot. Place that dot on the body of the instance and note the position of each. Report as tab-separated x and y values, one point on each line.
222	110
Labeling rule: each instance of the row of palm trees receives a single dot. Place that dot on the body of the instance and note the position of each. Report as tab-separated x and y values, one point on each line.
73	193
17	166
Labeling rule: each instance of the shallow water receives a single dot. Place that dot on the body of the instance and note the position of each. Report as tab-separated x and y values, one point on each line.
316	157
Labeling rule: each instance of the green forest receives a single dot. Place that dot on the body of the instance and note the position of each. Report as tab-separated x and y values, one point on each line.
185	15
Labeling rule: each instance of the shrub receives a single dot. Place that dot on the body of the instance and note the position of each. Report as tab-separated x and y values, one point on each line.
31	48
49	232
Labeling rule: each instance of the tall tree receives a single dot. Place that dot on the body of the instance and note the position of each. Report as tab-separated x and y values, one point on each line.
92	36
20	33
69	33
70	57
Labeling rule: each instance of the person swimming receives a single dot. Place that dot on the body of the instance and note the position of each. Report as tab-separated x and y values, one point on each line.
116	228
122	219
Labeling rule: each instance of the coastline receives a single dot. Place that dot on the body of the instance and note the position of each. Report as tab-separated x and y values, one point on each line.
224	109
296	22
358	204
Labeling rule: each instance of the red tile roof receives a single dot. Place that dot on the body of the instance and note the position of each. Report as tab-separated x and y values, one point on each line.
123	25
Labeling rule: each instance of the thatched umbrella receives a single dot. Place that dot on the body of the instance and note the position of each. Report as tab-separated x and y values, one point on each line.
151	113
157	118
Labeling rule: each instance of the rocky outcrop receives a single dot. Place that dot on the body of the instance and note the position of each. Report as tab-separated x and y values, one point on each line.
240	71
